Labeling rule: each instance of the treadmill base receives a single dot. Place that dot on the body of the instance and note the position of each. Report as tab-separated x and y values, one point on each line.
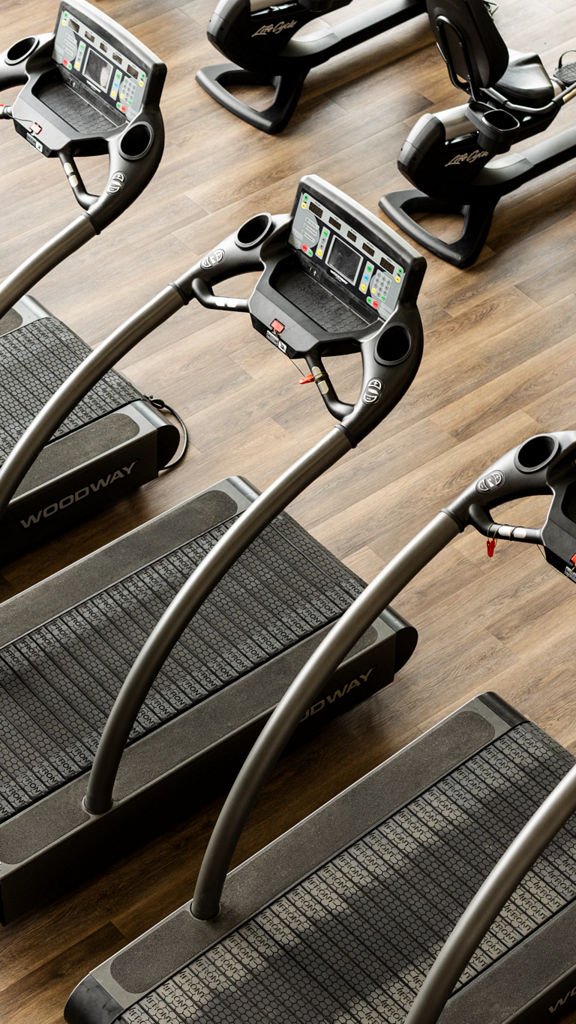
67	644
341	917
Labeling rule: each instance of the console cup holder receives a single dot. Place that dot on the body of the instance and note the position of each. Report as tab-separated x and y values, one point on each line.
21	50
253	231
500	120
536	452
136	141
394	345
496	128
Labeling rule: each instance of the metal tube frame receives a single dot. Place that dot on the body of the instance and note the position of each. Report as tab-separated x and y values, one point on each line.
309	682
190	597
489	900
34	268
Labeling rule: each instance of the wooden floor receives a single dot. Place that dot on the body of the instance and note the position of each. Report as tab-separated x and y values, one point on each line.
499	365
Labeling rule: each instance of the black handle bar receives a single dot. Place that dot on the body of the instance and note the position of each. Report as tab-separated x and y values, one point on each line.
544	464
390	351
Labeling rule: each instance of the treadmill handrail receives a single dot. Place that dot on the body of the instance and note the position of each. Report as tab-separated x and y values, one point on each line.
384	382
281	725
78	384
103	358
190	597
542	464
53	252
387	372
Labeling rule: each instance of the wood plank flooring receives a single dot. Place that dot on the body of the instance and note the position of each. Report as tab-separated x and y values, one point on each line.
499	365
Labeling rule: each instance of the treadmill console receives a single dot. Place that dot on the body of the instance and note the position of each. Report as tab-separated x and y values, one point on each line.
96	65
85	87
337	250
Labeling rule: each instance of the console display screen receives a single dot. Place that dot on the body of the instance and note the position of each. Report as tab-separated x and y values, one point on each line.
332	248
98	66
97	69
343	259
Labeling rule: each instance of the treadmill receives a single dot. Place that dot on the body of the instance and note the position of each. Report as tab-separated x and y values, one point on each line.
91	764
341	918
89	88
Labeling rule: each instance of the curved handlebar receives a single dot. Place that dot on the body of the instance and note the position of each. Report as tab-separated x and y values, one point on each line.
530	468
14	60
238	253
481	519
390	359
188	600
72	390
543	464
301	693
224	261
134	157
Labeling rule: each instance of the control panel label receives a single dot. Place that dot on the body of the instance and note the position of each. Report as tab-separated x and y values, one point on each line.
491	481
212	259
372	391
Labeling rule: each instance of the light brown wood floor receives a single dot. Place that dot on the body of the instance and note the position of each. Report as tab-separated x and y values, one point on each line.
499	365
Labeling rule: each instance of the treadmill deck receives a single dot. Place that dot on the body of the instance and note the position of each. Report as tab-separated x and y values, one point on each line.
113	441
36	356
67	645
351	938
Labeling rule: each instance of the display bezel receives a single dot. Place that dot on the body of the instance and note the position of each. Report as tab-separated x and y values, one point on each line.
339	241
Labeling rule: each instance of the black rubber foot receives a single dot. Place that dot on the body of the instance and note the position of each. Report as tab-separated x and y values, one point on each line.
216	79
400	207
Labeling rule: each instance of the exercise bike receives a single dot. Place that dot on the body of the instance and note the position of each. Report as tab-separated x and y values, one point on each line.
257	36
459	159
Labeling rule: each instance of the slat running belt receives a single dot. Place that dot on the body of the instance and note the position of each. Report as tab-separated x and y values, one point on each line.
34	360
352	942
58	682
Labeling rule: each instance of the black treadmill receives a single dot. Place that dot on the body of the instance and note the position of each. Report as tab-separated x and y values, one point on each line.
334	281
89	88
341	918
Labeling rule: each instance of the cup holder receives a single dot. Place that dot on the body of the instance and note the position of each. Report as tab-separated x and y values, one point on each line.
496	130
21	50
136	141
500	121
536	453
394	346
253	231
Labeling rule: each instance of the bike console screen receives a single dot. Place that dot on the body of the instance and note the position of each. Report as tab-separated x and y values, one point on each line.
345	257
98	70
